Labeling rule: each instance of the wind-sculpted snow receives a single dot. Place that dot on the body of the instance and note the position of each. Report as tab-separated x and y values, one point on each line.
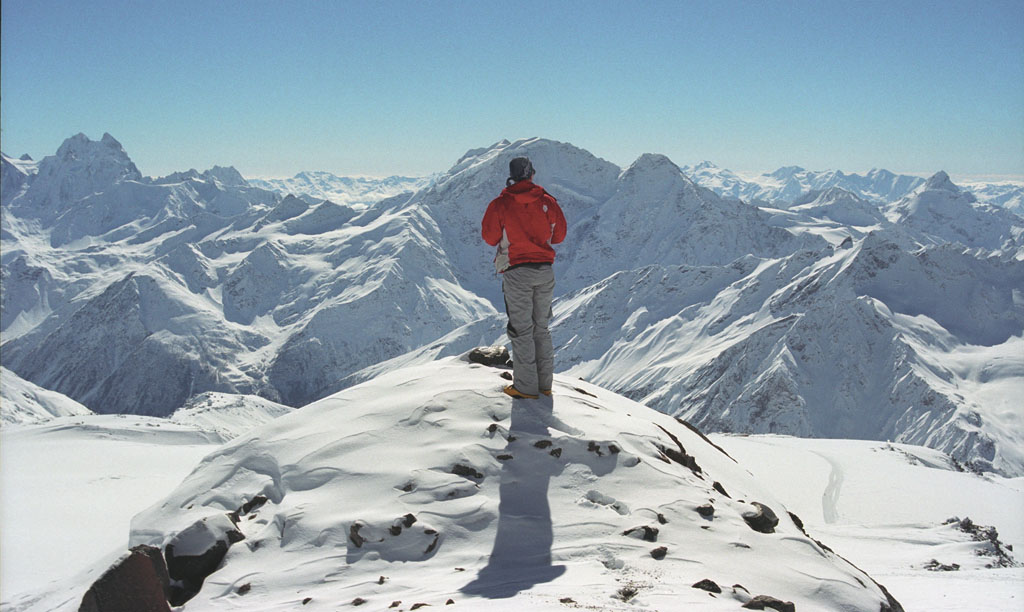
429	484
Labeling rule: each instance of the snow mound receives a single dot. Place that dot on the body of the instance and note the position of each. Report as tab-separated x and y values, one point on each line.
25	402
429	484
227	414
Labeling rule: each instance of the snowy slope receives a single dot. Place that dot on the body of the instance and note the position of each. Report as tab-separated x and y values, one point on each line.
887	508
870	342
433	479
886	504
350	190
25	402
70	486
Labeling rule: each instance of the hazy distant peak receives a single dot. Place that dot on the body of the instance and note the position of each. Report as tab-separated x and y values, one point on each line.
786	172
26	157
940	181
226	175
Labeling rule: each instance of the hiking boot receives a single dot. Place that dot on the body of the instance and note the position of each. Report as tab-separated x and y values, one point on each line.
517	394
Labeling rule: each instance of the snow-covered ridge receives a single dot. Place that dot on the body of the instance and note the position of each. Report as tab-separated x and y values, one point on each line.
430	485
24	402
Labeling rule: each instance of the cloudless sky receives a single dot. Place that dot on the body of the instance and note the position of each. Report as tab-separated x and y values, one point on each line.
406	87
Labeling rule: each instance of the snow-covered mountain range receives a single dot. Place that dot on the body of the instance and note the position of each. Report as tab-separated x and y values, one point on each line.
835	315
788	184
318	185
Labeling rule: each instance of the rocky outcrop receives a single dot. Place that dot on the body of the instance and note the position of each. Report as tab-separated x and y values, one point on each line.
137	583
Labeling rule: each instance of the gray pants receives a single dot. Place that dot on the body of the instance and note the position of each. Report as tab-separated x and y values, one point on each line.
528	303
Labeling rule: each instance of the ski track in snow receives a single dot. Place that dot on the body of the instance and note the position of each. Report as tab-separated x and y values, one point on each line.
830	497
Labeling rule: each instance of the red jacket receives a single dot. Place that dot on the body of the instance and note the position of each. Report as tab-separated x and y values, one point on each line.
530	218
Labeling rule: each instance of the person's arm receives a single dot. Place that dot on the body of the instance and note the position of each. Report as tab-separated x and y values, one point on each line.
490	227
557	220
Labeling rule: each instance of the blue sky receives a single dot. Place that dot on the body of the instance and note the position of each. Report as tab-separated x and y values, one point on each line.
402	87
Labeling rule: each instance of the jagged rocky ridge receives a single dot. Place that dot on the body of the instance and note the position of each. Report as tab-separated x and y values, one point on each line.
835	317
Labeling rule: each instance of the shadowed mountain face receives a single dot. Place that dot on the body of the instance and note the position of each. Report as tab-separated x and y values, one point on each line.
835	317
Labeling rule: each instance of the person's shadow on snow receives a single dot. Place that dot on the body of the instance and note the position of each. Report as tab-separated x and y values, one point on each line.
521	557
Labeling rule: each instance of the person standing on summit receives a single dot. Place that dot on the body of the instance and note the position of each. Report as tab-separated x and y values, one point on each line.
523	222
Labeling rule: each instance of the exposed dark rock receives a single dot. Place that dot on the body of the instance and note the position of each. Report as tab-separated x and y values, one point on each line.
353	534
433	544
583	391
556	452
659	552
507	375
245	588
613	449
707	511
395	603
417	606
466	471
627	592
137	583
700	433
542	443
307	600
253	504
358	601
763	519
799	523
190	570
408	520
708	585
718	487
450	602
662	519
762	602
503	457
493	427
567	600
594	447
679	455
1001	553
644	532
935	566
495	356
382	580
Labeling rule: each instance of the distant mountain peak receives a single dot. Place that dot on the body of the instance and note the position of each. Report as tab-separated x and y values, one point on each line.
940	181
226	175
26	157
787	171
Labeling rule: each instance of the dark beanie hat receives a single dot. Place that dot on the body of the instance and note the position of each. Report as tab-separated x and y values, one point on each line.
519	169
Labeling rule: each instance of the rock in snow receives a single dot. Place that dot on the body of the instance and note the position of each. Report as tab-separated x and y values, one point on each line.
429	484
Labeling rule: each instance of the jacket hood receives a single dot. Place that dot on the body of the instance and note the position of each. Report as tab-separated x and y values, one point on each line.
523	186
